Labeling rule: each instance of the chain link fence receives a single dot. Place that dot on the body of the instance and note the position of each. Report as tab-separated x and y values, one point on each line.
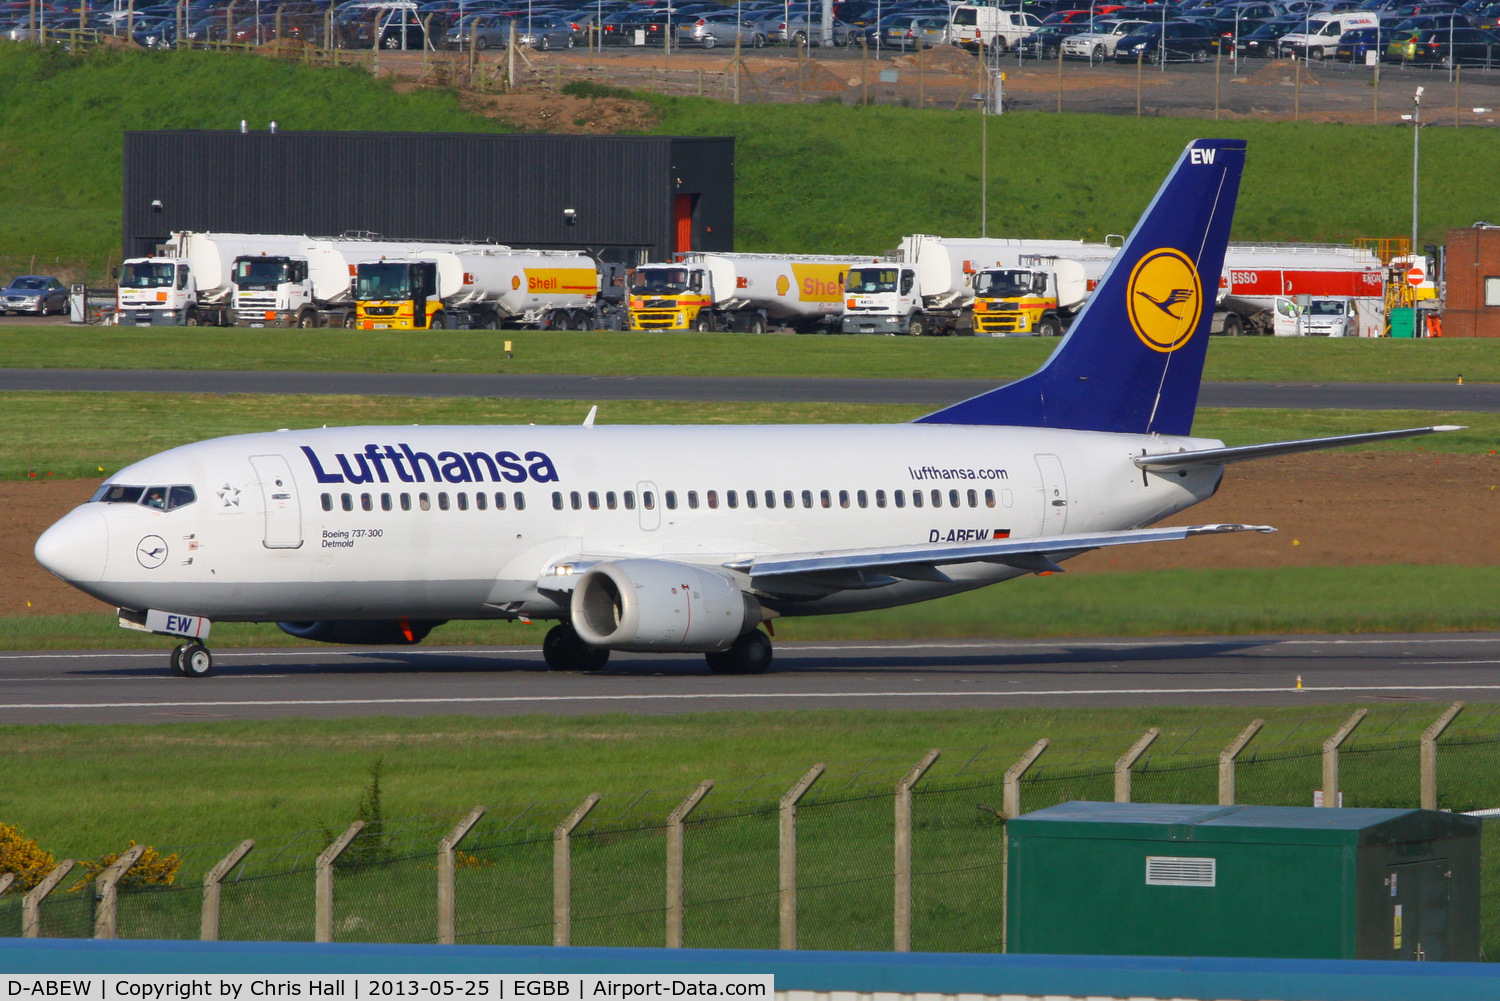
736	890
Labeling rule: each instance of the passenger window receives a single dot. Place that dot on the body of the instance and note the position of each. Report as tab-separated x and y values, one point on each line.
328	502
156	497
499	500
463	501
346	501
182	277
770	499
366	502
575	500
671	498
880	498
630	500
916	498
788	499
989	498
406	502
843	498
973	498
442	500
712	497
900	498
481	501
385	502
937	497
610	500
648	500
952	499
557	502
908	278
863	498
593	500
180	497
823	496
520	500
806	498
424	502
693	499
751	498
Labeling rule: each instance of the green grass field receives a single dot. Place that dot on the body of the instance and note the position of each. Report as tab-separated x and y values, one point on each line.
91	435
60	198
599	353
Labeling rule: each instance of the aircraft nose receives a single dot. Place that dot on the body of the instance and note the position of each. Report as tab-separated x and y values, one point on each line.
75	548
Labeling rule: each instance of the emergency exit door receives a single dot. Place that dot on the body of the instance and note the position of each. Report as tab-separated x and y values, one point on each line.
279	493
1054	495
1419	909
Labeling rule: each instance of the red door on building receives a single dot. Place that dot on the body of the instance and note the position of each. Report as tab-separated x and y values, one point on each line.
682	208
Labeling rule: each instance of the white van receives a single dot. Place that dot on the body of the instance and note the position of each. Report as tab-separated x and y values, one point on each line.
1323	32
998	30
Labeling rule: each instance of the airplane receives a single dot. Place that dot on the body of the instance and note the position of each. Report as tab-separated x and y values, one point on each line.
692	538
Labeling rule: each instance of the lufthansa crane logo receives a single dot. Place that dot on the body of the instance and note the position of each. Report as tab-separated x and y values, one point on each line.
1164	299
151	551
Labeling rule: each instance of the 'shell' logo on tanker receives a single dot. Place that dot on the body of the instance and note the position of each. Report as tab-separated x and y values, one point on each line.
821	282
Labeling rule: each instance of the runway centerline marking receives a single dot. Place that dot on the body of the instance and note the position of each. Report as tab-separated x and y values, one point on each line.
678	696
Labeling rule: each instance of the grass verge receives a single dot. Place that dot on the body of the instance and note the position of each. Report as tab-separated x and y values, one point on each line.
90	435
1359	599
683	353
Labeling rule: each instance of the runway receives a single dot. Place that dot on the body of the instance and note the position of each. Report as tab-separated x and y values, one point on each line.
803	389
135	686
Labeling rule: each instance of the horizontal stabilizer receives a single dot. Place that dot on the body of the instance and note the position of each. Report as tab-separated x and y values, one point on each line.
1173	461
1036	555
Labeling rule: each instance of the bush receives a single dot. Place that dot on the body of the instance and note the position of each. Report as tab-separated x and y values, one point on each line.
24	857
151	869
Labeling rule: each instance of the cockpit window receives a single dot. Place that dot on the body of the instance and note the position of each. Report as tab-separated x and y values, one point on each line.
160	498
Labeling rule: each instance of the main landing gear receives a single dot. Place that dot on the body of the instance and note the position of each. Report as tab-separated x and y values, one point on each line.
563	650
192	660
750	654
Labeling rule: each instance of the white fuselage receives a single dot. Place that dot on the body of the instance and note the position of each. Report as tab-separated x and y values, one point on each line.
275	535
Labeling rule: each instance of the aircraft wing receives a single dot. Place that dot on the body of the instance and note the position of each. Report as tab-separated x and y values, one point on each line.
1173	461
920	562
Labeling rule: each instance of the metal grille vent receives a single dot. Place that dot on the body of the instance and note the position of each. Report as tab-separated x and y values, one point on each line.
1162	870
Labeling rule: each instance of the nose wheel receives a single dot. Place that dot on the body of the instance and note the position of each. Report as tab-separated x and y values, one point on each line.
192	660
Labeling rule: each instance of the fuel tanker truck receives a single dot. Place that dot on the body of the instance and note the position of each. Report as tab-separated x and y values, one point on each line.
190	282
311	286
744	292
482	286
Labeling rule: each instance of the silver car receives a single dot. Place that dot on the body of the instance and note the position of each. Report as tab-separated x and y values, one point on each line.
710	30
544	31
807	29
39	294
1100	43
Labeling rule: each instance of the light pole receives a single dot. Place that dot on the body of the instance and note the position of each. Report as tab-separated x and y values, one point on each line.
1416	162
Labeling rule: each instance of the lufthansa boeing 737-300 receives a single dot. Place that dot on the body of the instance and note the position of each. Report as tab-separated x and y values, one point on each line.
689	539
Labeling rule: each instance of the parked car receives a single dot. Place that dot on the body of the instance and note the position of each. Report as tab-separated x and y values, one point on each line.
543	31
1455	47
1100	43
1175	41
481	31
1353	45
711	30
1046	40
39	294
931	31
1261	43
807	29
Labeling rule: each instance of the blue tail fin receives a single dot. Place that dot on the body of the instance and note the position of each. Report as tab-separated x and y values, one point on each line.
1133	358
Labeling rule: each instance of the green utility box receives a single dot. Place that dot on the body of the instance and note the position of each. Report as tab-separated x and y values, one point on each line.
1403	322
1138	879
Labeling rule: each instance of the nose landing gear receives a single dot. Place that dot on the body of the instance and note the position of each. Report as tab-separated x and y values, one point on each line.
192	660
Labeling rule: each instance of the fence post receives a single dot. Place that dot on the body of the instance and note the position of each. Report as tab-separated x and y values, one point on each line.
107	887
788	875
6	880
674	861
1226	761
1331	757
1127	761
1429	754
562	864
902	934
323	922
31	904
208	926
1011	803
446	866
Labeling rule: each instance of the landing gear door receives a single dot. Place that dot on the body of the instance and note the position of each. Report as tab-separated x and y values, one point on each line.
1286	318
1054	495
283	511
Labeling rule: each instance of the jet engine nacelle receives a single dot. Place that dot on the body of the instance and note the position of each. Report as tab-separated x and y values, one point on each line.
661	606
359	632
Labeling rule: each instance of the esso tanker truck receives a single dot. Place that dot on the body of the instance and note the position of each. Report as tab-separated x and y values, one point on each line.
929	288
190	281
482	287
1264	287
311	286
744	292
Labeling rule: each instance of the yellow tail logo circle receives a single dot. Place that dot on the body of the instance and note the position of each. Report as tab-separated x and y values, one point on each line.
1164	299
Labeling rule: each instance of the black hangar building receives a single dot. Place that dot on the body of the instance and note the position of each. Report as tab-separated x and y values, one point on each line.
624	199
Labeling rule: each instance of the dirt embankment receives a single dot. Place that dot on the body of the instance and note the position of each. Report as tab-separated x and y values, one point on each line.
1332	510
